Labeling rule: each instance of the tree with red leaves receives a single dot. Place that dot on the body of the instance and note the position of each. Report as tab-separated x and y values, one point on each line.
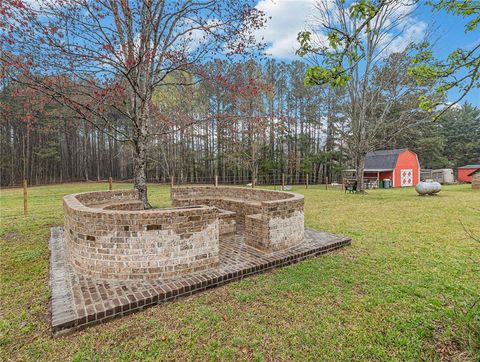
104	59
246	87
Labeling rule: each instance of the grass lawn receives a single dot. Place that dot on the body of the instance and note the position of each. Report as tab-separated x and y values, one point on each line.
404	290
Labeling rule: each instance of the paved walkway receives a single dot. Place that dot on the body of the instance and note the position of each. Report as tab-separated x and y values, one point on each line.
79	301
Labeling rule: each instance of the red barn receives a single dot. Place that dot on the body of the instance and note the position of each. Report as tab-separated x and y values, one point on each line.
400	166
465	173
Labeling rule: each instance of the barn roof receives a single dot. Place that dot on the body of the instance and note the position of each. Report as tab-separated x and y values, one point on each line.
470	166
382	160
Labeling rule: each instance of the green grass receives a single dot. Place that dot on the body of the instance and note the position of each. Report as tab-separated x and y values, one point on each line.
403	290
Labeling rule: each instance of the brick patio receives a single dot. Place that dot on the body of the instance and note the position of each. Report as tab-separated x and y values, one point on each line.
79	301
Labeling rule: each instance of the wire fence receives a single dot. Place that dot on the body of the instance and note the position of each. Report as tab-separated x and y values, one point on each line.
238	180
282	182
260	180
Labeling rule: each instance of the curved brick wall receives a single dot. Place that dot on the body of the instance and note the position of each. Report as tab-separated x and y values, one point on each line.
272	220
109	236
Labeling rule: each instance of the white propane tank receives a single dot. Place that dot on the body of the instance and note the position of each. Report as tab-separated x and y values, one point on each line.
428	187
436	186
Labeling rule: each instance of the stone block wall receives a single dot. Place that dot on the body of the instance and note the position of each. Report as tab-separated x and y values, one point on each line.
278	227
101	197
284	220
256	234
241	193
227	223
238	206
108	237
272	220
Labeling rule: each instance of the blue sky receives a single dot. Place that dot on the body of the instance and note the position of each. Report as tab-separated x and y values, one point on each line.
290	16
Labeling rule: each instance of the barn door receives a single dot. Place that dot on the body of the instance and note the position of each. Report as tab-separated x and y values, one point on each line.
406	178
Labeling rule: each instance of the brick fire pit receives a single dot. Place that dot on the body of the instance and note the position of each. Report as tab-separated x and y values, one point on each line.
112	257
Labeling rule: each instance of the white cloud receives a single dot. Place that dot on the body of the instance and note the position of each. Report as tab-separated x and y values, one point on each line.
441	107
411	31
288	18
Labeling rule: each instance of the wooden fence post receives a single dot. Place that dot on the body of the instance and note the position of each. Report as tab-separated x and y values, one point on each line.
283	181
25	199
306	182
216	180
110	186
326	183
172	181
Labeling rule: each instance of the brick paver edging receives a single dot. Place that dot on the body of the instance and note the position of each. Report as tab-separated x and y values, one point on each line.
79	301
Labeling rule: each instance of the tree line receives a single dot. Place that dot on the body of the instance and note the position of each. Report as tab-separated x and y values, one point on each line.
303	133
152	89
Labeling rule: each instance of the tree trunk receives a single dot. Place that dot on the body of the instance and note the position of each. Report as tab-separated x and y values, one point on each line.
359	170
139	168
85	151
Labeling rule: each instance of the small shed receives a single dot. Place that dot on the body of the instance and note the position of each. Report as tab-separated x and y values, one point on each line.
465	173
476	180
400	166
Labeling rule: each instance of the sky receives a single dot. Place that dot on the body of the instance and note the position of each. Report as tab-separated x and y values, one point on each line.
288	17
